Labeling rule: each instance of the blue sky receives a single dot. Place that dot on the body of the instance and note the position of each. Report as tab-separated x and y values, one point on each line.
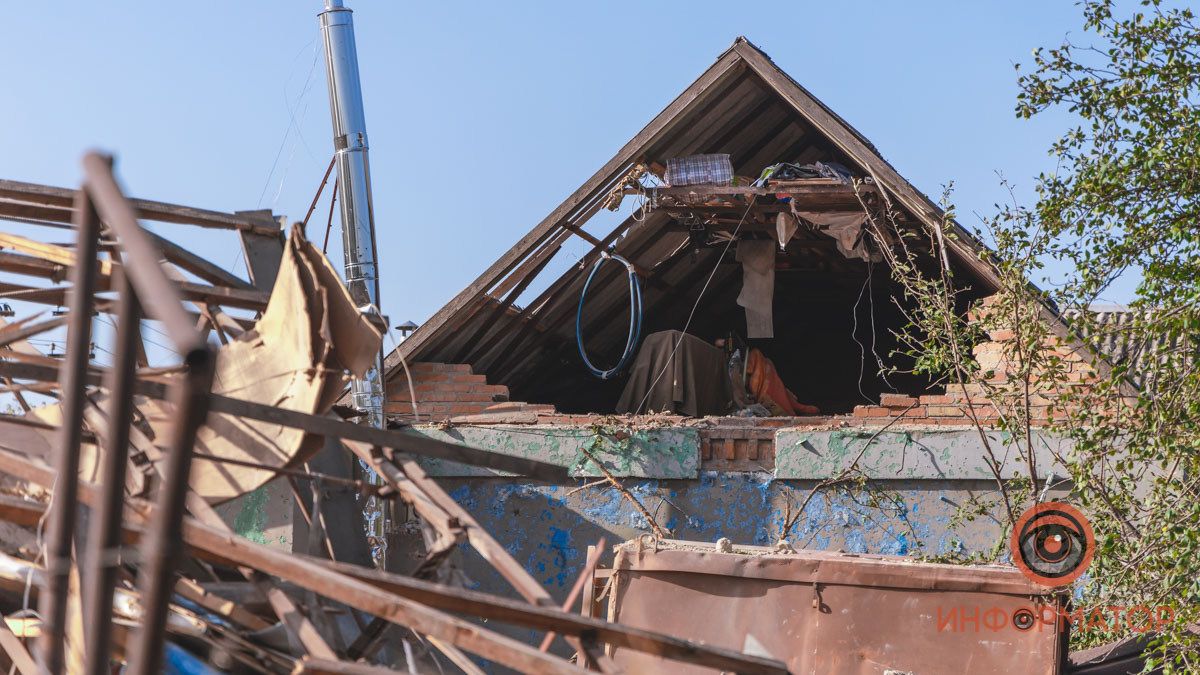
483	117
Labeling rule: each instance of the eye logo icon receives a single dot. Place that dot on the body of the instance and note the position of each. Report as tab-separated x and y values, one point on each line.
1052	543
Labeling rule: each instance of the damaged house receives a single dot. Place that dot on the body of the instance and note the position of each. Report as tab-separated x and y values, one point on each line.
697	391
750	314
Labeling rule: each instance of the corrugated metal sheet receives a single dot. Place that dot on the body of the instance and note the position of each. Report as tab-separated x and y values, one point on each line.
1113	332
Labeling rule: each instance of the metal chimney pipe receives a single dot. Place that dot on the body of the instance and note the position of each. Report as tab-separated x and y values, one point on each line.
354	178
358	222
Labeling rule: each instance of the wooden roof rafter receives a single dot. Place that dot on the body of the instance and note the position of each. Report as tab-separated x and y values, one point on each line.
771	118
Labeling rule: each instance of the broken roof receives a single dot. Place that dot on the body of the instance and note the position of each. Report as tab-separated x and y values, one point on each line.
743	105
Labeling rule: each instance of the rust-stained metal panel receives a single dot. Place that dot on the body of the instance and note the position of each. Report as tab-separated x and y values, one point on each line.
834	613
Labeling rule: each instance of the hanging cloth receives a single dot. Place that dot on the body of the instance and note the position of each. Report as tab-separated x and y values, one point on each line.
758	286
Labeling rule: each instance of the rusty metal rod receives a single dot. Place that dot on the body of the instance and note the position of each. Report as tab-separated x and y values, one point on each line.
52	603
105	537
157	293
324	179
163	549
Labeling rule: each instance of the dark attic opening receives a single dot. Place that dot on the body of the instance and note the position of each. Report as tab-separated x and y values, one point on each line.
759	297
746	274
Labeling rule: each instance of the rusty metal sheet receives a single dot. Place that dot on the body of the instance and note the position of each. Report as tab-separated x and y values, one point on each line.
834	613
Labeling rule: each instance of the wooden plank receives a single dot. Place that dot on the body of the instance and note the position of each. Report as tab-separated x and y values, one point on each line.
425	507
490	550
472	345
323	426
312	666
16	652
293	619
21	511
481	540
585	577
551	618
32	266
146	209
230	549
206	270
516	337
41	214
311	573
227	609
56	254
15	333
56	297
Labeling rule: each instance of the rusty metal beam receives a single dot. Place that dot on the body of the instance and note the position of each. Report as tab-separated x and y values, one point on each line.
61	526
162	550
157	293
105	537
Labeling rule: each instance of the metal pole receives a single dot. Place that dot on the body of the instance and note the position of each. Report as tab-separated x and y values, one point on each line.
52	604
358	223
105	536
162	548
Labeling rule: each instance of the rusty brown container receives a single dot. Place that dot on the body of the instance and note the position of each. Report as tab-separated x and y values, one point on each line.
835	612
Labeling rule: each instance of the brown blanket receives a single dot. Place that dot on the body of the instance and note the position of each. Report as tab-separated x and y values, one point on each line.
694	381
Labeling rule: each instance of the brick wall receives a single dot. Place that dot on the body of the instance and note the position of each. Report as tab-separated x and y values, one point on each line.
961	402
443	390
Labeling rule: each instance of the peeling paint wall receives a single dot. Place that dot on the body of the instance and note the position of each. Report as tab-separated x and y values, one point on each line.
263	515
920	479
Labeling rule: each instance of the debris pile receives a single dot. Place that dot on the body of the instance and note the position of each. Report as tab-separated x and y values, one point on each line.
128	562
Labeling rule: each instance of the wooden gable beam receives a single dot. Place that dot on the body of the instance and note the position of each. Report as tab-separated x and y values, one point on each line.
696	94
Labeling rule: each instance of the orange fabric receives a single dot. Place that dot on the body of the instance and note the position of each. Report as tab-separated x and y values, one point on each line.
768	389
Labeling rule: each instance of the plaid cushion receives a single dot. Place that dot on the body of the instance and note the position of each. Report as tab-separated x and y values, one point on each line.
700	170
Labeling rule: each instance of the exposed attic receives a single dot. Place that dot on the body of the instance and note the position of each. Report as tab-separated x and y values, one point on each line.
832	313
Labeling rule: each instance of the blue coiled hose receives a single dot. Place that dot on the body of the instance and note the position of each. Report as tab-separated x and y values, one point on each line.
635	318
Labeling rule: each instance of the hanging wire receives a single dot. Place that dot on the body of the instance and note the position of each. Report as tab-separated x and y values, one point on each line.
692	314
291	124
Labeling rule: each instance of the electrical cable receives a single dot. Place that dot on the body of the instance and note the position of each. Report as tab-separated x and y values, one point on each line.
635	318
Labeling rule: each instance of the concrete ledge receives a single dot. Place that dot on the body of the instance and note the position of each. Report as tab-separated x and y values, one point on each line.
666	452
955	453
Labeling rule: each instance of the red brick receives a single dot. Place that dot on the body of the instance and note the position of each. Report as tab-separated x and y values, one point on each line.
890	400
431	367
946	411
871	411
468	377
464	408
473	397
